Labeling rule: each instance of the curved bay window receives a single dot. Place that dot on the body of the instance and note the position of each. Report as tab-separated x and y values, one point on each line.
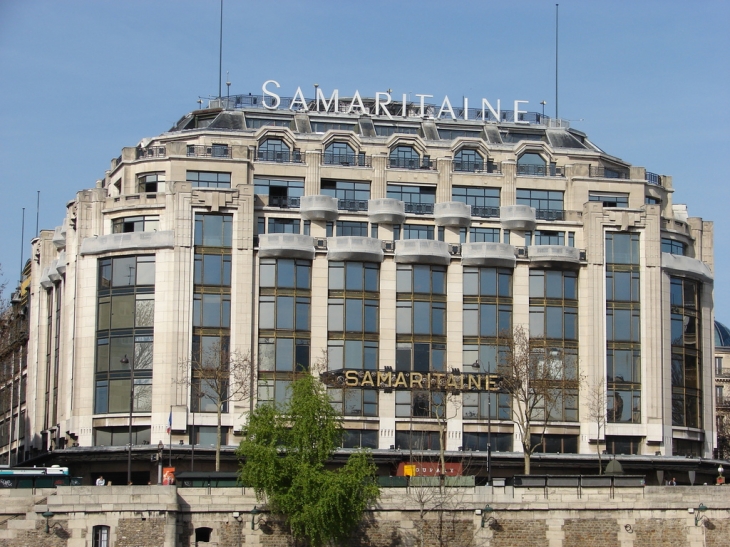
124	334
277	150
554	340
284	324
353	331
684	298
487	322
623	328
211	310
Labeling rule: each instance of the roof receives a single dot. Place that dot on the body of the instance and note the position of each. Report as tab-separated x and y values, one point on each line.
722	335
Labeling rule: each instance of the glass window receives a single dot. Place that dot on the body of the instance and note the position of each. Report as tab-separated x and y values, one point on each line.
151	183
531	164
136	224
673	246
339	153
481	235
213	230
622	248
276	150
405	157
547	203
466	159
278	188
208	179
610	200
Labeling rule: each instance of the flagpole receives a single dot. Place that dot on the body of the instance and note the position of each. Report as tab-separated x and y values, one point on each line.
170	459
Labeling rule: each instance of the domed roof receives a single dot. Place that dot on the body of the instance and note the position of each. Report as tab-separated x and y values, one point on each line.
722	335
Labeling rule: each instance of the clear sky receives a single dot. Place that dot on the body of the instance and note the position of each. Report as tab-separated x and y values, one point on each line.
646	80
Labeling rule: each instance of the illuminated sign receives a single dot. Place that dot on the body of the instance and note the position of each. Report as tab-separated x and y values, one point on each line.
386	379
385	104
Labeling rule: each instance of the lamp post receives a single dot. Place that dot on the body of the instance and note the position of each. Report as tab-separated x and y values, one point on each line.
698	513
543	103
125	361
160	448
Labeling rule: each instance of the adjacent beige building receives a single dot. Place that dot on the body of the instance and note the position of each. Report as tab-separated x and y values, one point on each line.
403	245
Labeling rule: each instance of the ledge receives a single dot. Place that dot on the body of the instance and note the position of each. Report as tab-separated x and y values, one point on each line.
366	249
61	263
517	217
422	251
386	211
286	246
59	237
554	254
452	213
684	265
127	242
46	282
488	254
318	207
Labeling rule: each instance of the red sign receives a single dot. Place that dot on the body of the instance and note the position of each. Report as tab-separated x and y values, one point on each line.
430	469
168	475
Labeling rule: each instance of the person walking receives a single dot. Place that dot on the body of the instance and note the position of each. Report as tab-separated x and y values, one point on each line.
100	481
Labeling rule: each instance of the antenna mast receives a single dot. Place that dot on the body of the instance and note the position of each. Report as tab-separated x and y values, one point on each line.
556	60
22	239
220	54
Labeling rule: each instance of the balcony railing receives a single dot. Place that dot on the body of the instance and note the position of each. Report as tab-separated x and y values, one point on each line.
722	372
478	166
606	172
347	160
151	152
540	170
280	156
419	208
354	205
653	178
485	212
549	214
205	151
410	163
723	401
283	202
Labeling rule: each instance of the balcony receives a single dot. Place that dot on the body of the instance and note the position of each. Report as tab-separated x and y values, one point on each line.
53	273
208	151
318	207
284	202
61	264
606	172
530	170
352	205
45	281
499	255
386	211
559	255
485	212
279	156
653	178
132	241
479	166
452	213
549	214
59	237
422	251
365	249
286	246
410	163
419	208
517	217
151	152
347	160
722	372
686	266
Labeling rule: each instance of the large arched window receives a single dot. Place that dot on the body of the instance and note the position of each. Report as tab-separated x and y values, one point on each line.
406	157
341	153
468	160
531	164
277	150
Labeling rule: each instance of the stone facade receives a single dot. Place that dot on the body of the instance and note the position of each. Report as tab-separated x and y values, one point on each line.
553	517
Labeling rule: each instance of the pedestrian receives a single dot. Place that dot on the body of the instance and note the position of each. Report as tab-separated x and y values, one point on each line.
100	481
673	482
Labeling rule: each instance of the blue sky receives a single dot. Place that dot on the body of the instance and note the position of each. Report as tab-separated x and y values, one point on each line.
647	81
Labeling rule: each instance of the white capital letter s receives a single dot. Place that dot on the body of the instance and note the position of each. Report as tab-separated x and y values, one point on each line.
277	100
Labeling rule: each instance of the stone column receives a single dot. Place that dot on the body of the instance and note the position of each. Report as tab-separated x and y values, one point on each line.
311	181
443	190
509	171
379	186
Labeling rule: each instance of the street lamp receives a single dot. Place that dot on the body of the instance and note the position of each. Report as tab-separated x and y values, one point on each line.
698	513
543	103
125	361
487	518
160	448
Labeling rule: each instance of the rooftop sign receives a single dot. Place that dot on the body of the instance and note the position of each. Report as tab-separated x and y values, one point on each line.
386	105
432	381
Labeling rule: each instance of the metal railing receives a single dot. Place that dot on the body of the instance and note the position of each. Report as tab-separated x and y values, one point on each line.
419	208
549	214
206	151
485	212
347	160
653	178
352	205
283	202
410	163
279	156
723	401
540	170
151	152
606	172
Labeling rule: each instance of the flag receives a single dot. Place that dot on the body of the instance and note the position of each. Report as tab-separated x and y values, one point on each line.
169	423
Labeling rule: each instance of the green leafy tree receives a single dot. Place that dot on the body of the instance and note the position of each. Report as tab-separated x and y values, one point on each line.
285	450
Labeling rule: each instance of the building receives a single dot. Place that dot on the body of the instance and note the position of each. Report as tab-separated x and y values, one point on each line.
393	251
722	389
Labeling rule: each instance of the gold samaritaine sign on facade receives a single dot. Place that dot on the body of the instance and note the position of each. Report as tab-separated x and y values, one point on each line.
387	379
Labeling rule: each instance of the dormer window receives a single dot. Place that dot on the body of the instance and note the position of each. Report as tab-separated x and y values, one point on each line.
406	157
531	164
277	150
341	153
468	160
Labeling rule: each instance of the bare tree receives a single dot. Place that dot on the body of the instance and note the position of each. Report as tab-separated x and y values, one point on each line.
535	378
597	413
217	377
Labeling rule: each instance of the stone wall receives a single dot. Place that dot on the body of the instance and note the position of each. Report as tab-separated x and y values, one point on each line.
163	516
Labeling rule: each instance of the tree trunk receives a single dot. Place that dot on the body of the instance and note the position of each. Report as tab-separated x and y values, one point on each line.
527	462
218	442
